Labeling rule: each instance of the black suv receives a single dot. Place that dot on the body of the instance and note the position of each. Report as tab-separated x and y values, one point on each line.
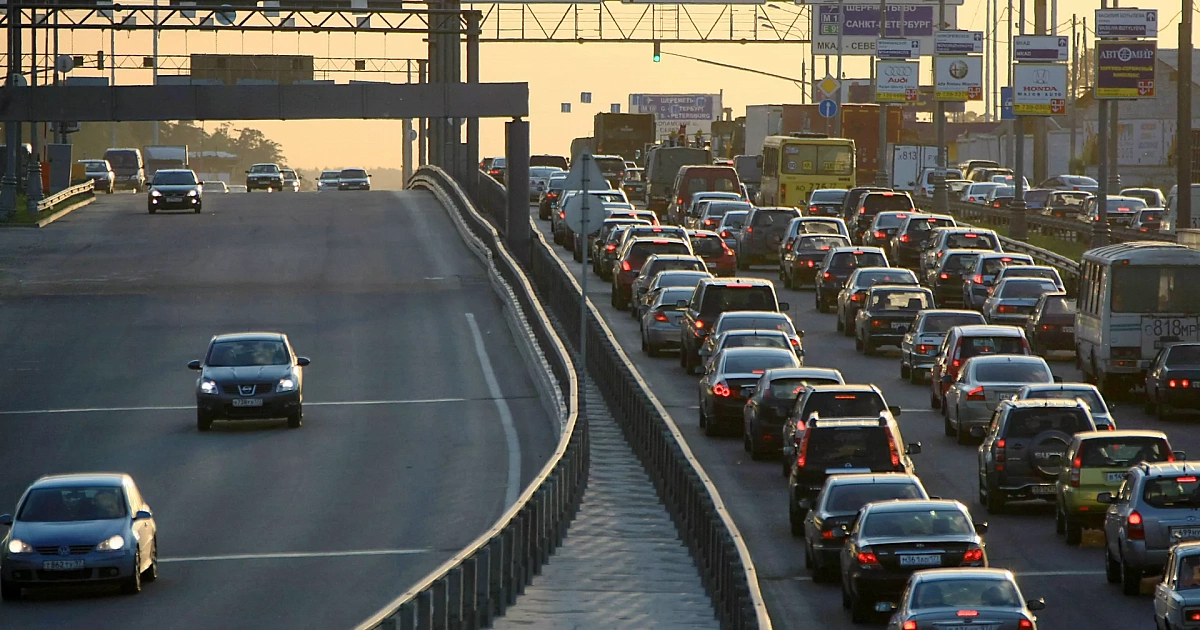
843	445
872	204
712	297
762	231
850	202
1024	449
831	401
910	238
838	265
946	280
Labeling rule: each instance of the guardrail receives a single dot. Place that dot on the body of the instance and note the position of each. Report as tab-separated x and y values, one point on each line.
481	581
85	188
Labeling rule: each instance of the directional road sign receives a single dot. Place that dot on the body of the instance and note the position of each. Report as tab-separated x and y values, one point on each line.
828	108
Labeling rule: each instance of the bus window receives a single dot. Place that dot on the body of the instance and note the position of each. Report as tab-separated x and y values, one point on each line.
799	159
835	160
1142	289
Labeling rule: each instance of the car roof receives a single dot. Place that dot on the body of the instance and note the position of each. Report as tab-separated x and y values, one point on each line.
908	505
1042	403
864	250
80	479
846	387
992	254
989	329
173	170
954	573
1120	433
737	281
907	288
849	479
703	234
947	311
1156	469
1060	387
1007	358
755	350
752	315
688	257
1189	548
250	336
802	372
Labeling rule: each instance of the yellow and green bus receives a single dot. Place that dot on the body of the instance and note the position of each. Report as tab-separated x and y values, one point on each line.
795	165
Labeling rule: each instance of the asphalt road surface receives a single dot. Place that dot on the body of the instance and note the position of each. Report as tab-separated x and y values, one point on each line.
402	459
1071	579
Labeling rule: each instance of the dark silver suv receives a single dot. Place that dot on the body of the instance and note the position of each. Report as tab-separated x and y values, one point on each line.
1024	449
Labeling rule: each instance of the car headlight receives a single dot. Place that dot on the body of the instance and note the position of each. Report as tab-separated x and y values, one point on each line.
286	385
115	543
208	386
193	193
155	193
19	546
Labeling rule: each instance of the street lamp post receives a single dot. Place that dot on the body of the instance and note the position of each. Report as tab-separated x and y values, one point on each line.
881	174
941	200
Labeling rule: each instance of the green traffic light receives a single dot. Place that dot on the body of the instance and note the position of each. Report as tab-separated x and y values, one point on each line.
657	52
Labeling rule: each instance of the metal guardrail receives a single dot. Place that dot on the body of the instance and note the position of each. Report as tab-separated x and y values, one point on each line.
480	582
703	521
86	188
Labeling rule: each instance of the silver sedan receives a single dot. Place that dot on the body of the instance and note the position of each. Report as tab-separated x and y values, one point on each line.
982	383
660	320
1177	596
1013	299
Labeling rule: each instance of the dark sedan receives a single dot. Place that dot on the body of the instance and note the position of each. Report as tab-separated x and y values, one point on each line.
835	509
174	189
883	228
731	379
773	398
1052	325
886	314
912	235
1173	380
252	375
803	258
79	529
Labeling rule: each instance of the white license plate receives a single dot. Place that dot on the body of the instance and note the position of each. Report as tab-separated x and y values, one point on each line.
1195	384
62	565
711	265
973	626
247	402
1043	489
899	326
926	560
1068	329
1114	477
174	198
1186	533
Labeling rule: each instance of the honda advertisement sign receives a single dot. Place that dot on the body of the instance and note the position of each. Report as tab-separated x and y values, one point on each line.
1125	69
897	81
1040	89
958	78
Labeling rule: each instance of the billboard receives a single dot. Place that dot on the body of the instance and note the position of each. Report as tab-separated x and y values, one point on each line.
958	78
897	81
861	22
1040	89
697	111
1125	69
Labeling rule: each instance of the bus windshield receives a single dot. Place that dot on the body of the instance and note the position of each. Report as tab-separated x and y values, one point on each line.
1144	289
813	159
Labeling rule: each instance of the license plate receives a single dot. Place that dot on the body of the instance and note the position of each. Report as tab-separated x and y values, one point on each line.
1186	533
1114	477
845	471
247	402
926	560
1195	384
174	198
1043	489
747	392
1068	329
899	326
711	265
973	626
62	565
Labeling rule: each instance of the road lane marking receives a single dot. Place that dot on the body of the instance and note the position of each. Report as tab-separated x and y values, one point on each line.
333	403
506	420
300	555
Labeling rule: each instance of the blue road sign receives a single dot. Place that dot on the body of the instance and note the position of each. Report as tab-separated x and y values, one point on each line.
1006	104
828	108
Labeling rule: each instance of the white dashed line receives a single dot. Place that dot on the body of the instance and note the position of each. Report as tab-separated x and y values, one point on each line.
299	555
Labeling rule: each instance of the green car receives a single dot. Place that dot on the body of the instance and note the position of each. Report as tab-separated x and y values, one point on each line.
1098	463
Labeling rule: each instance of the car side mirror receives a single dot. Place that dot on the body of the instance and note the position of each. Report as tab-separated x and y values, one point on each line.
913	449
247	172
978	431
1179	455
1036	604
6	520
142	515
894	410
784	306
302	361
1105	497
681	303
981	528
1058	379
947	379
194	364
800	334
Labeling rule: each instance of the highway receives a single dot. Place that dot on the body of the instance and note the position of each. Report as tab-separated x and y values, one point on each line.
403	458
1071	579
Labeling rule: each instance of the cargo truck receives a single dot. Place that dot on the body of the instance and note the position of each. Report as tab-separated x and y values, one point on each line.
662	165
163	156
623	134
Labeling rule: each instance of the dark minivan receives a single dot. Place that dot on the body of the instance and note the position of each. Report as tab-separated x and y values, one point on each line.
762	231
128	169
872	204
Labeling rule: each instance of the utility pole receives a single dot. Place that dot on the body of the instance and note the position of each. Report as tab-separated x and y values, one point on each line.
1183	141
1074	87
941	202
837	120
1018	227
1114	138
33	182
881	174
1041	155
1012	125
12	128
1100	229
155	134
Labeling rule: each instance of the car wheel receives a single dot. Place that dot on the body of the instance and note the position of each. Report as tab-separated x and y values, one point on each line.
795	518
949	428
995	500
756	451
914	376
151	209
858	343
132	585
1162	412
197	209
1060	521
808	559
651	350
839	325
960	435
151	572
905	371
10	592
1112	569
860	611
295	419
868	348
848	327
1074	532
612	298
203	421
1131	580
746	442
703	419
710	428
845	597
784	468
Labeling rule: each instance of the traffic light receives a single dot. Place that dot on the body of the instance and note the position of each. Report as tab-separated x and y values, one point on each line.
99	59
657	52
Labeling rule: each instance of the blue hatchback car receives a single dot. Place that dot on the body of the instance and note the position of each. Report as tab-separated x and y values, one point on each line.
79	529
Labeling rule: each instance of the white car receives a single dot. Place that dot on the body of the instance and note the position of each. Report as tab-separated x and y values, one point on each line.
328	180
977	193
214	186
237	188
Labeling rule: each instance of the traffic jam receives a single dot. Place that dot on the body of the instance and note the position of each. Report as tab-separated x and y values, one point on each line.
968	323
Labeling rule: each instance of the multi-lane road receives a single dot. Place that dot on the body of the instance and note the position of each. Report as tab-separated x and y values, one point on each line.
1071	579
403	458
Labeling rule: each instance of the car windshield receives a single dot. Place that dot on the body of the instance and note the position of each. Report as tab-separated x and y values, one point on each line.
924	225
827	196
943	522
866	279
174	178
879	202
1059	306
328	175
1003	191
1155	289
733	220
1079	181
1023	270
972	346
765	340
757	363
123	159
1143	216
1182	355
943	323
887	221
899	300
1172	492
851	497
722	298
1086	395
1011	372
353	173
848	446
1125	205
708	245
1030	423
819	227
771	218
821	243
689	280
1026	289
971	240
847	260
1115	452
639	252
1067	199
1189	573
264	168
660	266
247	352
61	505
720	208
671	297
967	593
95	167
1149	196
781	323
791	387
545	171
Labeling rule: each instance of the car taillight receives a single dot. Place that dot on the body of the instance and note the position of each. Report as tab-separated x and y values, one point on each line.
1134	528
923	348
1005	308
867	558
728	252
944	276
895	452
660	317
802	449
722	390
862	210
610	247
679	201
699	324
999	445
562	214
973	555
903	238
1184	383
812	209
1025	625
879	234
724	234
625	266
552	195
1076	464
968	613
827	276
976	394
782	192
1047	327
876	323
749	230
978	279
708	222
856	297
795	343
909	625
811	264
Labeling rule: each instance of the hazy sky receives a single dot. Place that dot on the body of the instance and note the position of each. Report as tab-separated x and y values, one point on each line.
556	73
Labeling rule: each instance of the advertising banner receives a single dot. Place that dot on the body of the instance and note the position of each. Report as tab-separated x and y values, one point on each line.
861	23
958	78
897	81
1040	89
1125	69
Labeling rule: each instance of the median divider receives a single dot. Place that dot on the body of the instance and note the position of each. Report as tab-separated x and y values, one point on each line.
480	582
